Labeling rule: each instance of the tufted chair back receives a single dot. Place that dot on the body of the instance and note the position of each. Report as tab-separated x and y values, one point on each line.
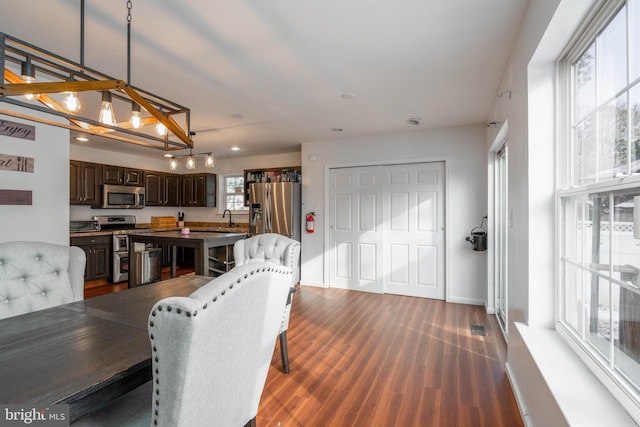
269	247
212	350
274	249
38	275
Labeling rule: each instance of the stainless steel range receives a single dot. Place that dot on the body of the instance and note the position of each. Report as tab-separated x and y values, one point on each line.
120	225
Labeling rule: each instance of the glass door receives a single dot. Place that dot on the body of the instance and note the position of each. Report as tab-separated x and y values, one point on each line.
501	226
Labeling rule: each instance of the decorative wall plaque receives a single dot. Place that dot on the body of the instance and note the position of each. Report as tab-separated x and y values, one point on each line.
15	197
9	162
17	130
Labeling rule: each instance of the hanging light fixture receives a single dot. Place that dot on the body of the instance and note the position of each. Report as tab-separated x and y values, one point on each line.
71	102
20	60
135	120
209	162
161	130
191	163
28	74
106	111
191	160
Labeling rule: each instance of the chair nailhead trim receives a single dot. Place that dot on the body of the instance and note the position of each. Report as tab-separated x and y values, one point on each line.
195	312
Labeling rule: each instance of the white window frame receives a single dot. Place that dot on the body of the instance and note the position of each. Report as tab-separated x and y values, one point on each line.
594	24
222	202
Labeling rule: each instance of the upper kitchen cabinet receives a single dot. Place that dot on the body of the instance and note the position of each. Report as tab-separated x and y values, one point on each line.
198	189
118	175
162	189
84	183
283	174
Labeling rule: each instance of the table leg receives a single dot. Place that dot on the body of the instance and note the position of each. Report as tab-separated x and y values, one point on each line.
174	257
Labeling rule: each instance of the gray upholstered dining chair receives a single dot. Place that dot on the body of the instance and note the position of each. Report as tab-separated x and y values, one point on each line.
39	275
211	353
280	250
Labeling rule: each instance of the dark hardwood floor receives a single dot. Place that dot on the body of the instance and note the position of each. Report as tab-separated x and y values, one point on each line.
103	286
360	359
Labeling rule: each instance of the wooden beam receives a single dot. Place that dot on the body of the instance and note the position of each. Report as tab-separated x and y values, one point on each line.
94	130
22	88
171	125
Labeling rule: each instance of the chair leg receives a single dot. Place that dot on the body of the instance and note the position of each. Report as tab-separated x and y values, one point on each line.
284	352
251	423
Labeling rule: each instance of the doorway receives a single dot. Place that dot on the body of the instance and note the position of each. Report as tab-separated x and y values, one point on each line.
386	230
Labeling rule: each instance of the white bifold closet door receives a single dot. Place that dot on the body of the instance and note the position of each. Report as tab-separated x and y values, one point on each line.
387	229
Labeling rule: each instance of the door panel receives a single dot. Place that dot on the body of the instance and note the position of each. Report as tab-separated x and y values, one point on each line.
414	235
355	230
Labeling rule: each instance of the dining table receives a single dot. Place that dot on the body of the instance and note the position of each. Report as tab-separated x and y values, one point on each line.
86	353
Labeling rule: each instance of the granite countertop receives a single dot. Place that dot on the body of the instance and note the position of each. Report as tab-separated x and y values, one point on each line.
146	228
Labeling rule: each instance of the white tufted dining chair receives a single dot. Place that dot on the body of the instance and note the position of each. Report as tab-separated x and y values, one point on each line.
211	353
280	250
39	275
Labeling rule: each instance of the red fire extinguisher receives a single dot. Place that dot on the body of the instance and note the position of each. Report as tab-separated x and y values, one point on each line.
310	220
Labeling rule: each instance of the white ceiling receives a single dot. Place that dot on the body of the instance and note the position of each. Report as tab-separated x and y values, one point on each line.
283	65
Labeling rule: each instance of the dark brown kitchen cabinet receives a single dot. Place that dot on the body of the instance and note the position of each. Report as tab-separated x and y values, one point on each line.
98	252
118	175
85	180
162	189
198	189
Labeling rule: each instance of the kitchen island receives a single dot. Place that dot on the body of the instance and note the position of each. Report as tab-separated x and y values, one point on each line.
213	251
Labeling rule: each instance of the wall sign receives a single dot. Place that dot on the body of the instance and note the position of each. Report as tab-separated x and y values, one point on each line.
17	130
15	197
9	162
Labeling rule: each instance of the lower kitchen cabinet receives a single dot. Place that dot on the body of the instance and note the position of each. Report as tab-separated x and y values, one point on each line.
98	251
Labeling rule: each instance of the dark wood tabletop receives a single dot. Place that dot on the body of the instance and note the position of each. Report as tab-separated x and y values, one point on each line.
85	353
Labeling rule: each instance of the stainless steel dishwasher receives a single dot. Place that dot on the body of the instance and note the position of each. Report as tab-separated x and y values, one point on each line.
148	263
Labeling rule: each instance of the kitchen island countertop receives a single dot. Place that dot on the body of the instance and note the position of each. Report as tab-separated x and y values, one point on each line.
204	244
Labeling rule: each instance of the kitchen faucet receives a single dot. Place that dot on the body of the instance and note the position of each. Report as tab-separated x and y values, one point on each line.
224	213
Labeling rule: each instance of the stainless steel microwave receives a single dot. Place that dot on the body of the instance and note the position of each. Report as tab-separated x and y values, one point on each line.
122	197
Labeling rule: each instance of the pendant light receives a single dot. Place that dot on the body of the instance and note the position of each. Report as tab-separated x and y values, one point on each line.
106	112
191	163
161	130
173	164
209	162
135	120
28	74
71	101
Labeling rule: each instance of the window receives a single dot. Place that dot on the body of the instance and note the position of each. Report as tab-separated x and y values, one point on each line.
599	217
233	193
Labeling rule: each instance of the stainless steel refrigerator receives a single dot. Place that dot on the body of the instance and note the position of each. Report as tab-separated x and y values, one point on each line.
275	208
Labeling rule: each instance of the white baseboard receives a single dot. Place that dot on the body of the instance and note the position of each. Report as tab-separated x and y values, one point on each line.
519	400
469	301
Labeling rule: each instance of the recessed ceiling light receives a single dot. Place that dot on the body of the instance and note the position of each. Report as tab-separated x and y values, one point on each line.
168	155
235	148
237	115
82	138
348	95
337	129
415	121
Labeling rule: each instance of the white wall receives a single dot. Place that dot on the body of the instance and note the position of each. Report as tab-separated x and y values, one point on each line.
463	150
530	112
155	161
47	219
